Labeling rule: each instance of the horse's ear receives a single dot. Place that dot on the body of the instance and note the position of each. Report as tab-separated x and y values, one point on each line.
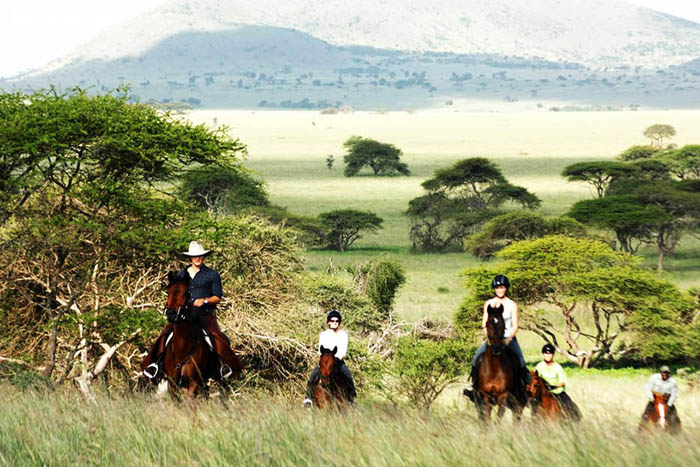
335	350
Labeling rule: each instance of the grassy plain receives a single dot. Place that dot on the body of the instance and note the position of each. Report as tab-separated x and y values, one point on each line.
289	150
60	428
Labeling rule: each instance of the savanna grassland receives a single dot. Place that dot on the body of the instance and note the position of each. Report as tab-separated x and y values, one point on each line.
59	429
289	150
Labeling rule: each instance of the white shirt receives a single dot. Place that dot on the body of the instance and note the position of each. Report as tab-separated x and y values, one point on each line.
656	384
330	339
508	308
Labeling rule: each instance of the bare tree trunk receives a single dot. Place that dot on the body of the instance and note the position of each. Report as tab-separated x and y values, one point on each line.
660	261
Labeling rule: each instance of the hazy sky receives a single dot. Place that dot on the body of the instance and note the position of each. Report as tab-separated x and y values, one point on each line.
34	32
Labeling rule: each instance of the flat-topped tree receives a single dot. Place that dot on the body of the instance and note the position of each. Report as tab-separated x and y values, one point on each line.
658	132
382	158
347	225
459	200
600	174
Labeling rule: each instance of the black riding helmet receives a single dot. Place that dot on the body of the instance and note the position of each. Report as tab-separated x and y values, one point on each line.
548	348
334	314
500	280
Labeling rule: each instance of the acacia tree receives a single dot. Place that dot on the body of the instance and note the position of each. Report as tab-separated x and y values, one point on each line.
459	200
658	132
603	297
634	153
515	226
600	174
684	162
347	225
78	213
382	158
632	221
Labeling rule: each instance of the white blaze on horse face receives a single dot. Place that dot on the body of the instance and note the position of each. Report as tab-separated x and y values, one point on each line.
495	320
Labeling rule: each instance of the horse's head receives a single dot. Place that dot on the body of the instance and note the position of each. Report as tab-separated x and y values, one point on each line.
178	307
495	326
660	409
534	389
326	363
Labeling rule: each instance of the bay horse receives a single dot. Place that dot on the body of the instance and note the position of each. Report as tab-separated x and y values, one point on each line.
189	361
543	402
331	388
659	417
497	380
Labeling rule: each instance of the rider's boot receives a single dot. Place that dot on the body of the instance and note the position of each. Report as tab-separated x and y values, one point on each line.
470	390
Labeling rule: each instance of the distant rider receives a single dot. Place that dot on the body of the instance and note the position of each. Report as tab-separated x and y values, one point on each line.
329	339
663	383
205	292
553	374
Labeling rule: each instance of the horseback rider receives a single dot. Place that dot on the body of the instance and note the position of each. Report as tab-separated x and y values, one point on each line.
500	285
553	374
663	383
205	292
331	338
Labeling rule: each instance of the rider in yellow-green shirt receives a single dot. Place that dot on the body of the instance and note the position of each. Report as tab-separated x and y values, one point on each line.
553	374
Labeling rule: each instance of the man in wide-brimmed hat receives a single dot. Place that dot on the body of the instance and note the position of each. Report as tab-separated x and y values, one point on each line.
664	384
205	293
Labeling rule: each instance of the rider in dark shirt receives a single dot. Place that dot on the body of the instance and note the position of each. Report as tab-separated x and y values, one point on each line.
206	292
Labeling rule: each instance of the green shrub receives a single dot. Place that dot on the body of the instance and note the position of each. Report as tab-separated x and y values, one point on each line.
424	368
347	225
23	377
381	281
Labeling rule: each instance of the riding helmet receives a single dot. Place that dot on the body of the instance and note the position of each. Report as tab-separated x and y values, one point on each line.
334	314
500	280
548	348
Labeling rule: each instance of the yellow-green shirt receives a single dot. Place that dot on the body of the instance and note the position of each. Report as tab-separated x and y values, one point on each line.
553	374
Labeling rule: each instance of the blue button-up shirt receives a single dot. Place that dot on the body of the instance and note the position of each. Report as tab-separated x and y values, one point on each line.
206	283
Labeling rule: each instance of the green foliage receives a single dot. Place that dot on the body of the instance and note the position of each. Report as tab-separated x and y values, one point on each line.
514	226
587	282
382	158
368	368
598	173
635	153
326	292
631	220
684	162
424	368
226	190
22	377
658	132
382	280
311	231
344	226
459	200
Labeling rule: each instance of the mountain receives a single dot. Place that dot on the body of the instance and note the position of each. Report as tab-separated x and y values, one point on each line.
389	53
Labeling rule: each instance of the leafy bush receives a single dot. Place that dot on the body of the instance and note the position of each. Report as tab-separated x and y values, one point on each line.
424	368
381	280
326	292
514	226
23	377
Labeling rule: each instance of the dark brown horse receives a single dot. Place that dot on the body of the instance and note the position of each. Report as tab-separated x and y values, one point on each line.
660	417
189	361
544	404
497	382
331	388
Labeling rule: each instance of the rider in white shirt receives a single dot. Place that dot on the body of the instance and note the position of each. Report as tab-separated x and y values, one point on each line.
333	337
664	384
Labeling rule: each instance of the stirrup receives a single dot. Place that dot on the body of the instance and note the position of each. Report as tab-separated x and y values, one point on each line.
225	371
307	403
151	371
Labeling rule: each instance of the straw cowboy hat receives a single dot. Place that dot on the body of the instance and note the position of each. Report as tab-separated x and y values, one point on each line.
196	250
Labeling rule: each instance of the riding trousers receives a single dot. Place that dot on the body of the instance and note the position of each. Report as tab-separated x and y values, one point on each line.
316	375
513	346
